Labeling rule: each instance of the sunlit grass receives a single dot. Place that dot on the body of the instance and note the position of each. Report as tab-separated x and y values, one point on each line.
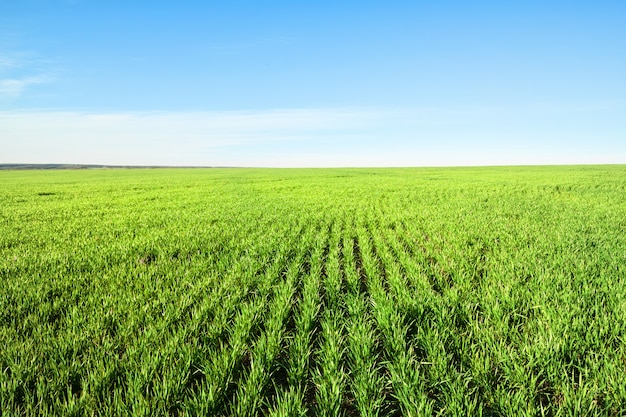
449	291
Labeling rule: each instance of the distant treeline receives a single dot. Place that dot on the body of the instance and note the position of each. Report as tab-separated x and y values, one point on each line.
79	166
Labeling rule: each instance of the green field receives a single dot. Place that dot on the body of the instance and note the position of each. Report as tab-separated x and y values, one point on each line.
441	291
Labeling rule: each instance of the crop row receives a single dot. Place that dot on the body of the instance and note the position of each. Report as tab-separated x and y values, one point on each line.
323	292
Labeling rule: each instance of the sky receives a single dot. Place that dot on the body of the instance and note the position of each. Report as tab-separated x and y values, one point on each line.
324	83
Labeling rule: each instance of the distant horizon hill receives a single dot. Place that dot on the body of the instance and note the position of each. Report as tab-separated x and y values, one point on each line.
16	166
89	166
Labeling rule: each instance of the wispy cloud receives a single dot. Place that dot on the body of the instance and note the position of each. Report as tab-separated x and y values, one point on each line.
14	87
16	75
177	131
308	137
7	63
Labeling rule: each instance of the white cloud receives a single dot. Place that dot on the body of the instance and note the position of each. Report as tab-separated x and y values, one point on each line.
301	137
16	75
66	133
7	63
14	87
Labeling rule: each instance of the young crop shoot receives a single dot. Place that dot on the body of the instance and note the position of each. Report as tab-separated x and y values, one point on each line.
337	292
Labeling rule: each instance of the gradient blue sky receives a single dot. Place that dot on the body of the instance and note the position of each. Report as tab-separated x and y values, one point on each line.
290	83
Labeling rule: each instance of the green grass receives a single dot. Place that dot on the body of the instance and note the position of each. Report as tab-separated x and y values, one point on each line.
448	291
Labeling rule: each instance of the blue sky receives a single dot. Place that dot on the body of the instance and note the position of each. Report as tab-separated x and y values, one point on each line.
278	83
